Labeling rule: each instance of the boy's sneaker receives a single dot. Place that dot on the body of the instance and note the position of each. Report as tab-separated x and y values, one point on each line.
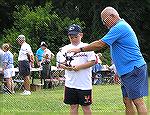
26	92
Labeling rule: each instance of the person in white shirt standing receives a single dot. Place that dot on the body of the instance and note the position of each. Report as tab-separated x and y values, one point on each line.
25	58
78	73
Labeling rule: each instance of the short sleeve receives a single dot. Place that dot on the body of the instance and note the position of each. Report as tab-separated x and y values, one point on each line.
91	56
29	50
113	34
37	52
61	56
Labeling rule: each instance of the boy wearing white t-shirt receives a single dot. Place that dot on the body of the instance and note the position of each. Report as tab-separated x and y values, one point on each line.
78	73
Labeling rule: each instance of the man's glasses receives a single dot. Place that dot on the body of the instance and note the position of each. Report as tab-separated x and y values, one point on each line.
104	21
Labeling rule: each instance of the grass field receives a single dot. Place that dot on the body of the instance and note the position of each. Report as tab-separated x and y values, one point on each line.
107	100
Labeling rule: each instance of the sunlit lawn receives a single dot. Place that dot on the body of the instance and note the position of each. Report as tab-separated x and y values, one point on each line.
107	99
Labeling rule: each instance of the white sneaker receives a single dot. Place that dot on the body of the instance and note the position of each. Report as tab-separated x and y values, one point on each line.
13	92
26	92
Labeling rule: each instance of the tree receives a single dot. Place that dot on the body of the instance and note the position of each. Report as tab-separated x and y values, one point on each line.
7	7
136	13
40	24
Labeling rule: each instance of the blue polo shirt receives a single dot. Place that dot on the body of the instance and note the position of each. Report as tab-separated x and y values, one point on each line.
124	47
39	54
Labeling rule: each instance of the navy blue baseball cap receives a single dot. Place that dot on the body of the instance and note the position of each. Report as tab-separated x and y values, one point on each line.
74	29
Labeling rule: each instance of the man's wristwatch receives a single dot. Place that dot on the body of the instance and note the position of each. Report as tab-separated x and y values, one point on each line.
81	49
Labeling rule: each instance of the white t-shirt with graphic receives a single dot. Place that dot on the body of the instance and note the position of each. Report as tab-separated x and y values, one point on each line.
78	79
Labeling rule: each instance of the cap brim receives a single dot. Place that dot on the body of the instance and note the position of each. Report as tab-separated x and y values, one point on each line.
73	33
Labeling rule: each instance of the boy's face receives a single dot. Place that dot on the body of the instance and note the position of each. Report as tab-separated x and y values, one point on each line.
75	39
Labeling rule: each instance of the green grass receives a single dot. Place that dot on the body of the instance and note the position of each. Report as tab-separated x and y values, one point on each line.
107	100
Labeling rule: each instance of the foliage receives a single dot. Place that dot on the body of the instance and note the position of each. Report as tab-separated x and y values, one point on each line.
136	13
40	24
7	7
51	100
106	99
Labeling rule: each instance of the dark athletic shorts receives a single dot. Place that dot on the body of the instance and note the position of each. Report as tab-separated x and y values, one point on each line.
135	83
24	68
77	96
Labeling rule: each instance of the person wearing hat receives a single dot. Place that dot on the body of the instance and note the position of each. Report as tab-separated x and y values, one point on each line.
78	82
39	53
46	63
47	55
8	66
25	58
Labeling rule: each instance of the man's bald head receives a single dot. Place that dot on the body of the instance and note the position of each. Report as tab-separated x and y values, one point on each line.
109	11
109	17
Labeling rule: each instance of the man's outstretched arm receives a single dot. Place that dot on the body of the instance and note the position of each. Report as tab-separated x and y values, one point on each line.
96	45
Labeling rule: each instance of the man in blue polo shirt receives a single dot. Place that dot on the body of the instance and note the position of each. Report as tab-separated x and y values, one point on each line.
126	55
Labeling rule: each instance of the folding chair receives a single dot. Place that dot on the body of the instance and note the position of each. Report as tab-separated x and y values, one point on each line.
61	77
56	78
107	77
96	74
3	89
96	78
52	81
18	81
